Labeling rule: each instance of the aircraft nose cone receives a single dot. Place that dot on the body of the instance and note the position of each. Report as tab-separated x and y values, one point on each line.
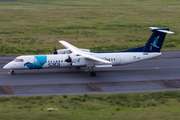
7	66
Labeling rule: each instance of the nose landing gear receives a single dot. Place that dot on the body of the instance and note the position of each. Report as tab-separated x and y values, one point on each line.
12	72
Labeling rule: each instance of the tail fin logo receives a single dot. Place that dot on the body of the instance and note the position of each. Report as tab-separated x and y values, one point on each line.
78	60
154	44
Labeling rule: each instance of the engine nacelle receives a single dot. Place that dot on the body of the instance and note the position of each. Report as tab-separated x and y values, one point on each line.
63	51
78	61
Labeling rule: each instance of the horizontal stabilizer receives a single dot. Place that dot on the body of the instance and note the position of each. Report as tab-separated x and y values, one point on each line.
161	30
165	31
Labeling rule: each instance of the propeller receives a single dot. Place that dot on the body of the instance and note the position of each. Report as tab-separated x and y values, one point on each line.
69	60
55	51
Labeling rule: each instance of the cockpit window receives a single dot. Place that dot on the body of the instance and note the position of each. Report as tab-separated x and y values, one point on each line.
18	60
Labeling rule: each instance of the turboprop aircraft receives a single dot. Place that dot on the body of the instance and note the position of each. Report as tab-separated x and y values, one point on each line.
75	57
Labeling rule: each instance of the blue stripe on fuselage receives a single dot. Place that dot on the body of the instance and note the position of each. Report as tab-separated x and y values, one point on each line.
38	62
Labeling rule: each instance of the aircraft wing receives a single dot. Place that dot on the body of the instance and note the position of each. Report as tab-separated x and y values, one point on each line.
75	50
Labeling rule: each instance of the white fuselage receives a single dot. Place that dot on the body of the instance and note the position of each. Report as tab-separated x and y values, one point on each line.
58	61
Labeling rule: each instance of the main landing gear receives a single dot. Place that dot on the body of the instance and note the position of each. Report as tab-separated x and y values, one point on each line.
93	74
12	72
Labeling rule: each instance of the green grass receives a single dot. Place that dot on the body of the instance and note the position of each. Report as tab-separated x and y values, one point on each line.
157	105
35	27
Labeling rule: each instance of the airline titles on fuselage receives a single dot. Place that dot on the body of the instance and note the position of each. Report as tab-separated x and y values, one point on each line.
53	64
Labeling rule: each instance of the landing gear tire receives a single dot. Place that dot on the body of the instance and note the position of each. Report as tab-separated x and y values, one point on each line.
12	72
93	74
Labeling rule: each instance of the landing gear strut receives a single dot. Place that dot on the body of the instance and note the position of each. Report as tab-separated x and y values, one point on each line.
93	74
12	72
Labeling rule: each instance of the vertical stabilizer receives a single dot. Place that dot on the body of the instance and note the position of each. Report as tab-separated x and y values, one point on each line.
156	40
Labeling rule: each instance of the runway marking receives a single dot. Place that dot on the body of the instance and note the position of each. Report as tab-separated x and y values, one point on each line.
158	58
8	91
131	81
95	87
141	68
6	73
165	58
87	83
94	83
48	84
173	83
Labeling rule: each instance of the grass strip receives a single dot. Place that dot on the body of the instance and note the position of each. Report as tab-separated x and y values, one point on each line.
155	105
35	27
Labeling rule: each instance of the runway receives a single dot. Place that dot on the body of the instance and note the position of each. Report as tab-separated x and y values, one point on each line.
157	74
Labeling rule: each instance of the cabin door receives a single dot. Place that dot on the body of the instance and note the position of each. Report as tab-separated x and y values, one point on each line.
119	59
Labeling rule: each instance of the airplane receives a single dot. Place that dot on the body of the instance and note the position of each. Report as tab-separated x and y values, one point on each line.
75	57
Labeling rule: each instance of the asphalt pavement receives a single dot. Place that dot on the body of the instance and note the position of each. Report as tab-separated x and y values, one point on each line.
157	74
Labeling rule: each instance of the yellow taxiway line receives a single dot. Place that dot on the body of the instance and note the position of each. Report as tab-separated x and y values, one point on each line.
92	85
173	83
8	91
95	87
